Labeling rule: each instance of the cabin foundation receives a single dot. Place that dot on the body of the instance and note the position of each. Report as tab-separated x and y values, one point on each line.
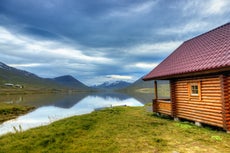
198	124
176	119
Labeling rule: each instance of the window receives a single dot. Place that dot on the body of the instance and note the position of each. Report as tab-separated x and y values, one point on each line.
194	90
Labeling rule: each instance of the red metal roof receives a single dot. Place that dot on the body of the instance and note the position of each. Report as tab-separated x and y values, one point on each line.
205	52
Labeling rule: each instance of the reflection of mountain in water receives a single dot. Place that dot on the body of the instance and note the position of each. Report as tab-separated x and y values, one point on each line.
69	100
112	95
141	97
144	98
39	100
11	99
59	100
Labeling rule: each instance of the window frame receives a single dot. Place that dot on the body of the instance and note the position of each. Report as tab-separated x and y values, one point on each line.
190	90
193	89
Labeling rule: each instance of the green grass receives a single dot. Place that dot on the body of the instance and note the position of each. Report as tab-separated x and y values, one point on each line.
117	130
11	111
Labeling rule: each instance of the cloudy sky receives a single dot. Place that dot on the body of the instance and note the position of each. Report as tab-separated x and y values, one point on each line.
101	40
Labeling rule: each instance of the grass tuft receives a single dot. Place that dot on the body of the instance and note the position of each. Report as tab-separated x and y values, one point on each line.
216	138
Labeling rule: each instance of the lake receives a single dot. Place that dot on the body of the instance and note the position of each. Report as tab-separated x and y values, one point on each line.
53	107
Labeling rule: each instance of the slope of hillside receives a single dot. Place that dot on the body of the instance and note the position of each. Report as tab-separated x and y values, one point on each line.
141	84
70	82
15	80
10	75
147	87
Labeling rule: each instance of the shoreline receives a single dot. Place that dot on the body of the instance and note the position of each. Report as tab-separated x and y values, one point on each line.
12	111
40	91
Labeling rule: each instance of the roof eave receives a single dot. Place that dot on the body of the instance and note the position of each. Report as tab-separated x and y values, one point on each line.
189	74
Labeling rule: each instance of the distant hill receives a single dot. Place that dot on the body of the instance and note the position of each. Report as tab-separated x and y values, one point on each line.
148	87
15	76
11	77
70	82
141	84
112	85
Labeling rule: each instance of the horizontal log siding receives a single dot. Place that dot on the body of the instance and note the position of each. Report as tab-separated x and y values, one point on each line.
164	107
207	109
227	102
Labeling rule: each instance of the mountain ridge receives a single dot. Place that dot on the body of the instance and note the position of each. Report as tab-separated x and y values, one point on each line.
112	85
70	81
10	75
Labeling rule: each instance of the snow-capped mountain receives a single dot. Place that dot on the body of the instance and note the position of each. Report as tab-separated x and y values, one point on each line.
112	85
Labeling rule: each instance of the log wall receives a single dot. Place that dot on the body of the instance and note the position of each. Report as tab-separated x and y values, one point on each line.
162	106
206	108
227	102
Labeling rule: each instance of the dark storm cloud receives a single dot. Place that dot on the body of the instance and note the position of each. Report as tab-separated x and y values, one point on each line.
40	33
94	23
99	38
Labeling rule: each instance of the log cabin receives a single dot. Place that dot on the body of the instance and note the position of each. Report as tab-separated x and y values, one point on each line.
199	76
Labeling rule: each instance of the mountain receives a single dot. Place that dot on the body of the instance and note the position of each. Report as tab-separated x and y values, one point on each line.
11	77
8	69
147	87
71	82
112	85
141	84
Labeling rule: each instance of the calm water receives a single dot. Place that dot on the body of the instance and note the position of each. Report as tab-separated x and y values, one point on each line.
54	107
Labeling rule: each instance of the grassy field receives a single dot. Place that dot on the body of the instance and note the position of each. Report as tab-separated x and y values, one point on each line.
118	130
11	111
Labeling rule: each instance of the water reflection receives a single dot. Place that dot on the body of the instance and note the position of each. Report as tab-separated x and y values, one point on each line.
54	107
113	95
